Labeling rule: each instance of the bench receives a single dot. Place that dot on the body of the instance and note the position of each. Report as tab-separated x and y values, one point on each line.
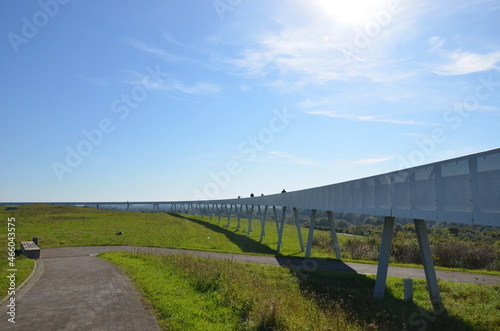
30	249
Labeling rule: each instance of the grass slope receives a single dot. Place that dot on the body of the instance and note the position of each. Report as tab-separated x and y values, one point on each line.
189	293
58	226
72	226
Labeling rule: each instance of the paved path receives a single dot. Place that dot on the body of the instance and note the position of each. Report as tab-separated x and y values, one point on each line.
74	290
309	265
81	292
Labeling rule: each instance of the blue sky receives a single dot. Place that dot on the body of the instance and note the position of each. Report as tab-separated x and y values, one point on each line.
177	100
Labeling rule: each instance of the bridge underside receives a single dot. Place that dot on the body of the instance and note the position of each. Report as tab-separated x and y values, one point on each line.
218	211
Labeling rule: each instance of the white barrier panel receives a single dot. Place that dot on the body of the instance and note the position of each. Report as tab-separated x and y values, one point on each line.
462	190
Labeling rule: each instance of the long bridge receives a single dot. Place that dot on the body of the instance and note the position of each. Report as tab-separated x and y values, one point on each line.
460	190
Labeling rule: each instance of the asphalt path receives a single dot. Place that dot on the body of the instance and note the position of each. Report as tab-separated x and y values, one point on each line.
72	289
310	264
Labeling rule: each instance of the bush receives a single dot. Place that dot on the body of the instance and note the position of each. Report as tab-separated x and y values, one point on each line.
406	250
362	249
455	254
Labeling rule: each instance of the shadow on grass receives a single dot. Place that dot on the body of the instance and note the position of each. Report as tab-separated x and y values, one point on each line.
334	285
249	245
353	293
246	244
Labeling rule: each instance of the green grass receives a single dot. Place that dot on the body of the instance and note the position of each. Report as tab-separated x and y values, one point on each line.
23	267
190	293
58	226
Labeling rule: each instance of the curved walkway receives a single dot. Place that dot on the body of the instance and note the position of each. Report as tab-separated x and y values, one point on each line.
78	292
73	290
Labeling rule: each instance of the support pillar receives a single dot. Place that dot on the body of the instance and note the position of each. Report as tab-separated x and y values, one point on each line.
311	233
203	211
239	217
383	260
219	213
229	215
281	227
425	252
334	235
299	230
250	220
276	220
211	212
263	223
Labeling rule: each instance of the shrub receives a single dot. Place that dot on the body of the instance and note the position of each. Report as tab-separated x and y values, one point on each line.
406	250
362	249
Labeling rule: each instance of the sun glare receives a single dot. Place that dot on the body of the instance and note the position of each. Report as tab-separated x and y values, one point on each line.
352	12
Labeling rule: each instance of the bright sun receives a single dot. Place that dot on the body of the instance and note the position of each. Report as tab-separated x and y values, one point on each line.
352	11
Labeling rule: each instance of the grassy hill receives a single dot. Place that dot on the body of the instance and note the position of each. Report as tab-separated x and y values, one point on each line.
58	226
254	297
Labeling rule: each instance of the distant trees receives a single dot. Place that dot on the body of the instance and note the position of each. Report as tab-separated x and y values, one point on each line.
452	245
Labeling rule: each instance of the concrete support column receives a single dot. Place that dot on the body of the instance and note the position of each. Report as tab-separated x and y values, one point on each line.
383	260
239	217
219	213
281	227
425	252
276	220
299	230
311	233
229	215
250	217
203	211
263	223
334	235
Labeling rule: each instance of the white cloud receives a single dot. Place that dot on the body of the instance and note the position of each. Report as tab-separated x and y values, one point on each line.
371	161
96	80
462	62
173	85
197	88
292	159
436	43
163	54
293	58
363	118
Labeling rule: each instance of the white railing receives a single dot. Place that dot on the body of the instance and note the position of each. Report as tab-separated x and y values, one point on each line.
461	190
